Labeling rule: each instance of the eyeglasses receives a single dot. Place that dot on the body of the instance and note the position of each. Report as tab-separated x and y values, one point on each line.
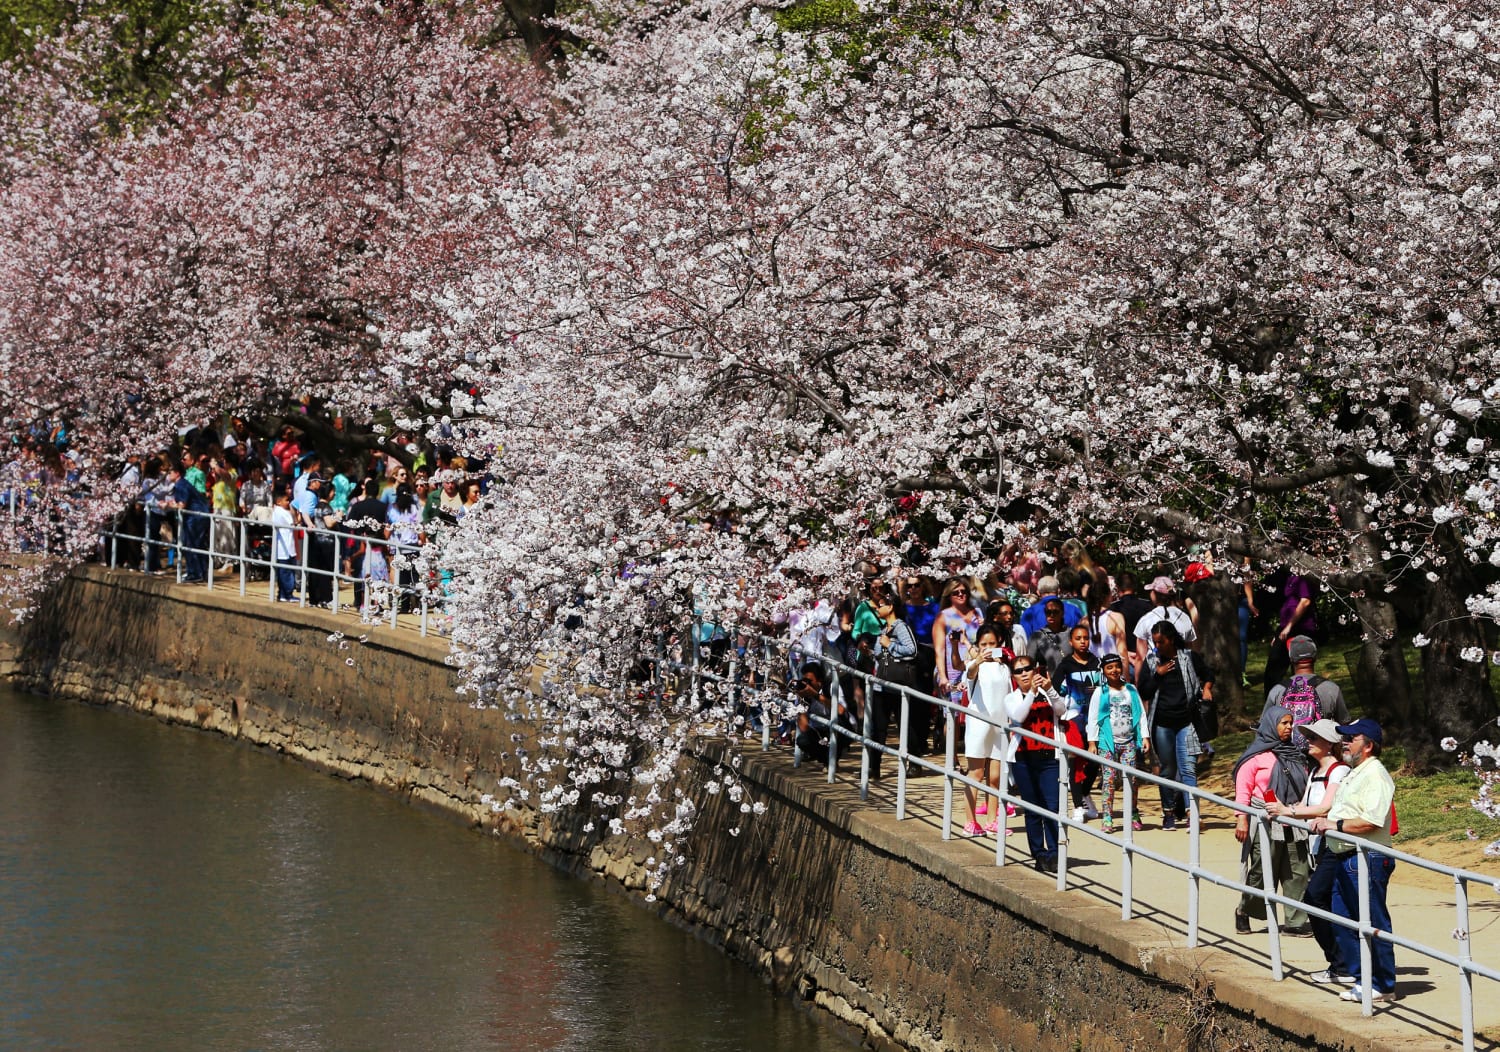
959	591
1024	668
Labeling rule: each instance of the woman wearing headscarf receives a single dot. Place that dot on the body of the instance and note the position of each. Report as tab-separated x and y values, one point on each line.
1273	767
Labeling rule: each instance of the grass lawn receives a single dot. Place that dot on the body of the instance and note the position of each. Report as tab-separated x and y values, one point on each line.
1436	818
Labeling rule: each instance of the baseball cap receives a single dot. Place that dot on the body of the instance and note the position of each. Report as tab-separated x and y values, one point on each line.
1368	727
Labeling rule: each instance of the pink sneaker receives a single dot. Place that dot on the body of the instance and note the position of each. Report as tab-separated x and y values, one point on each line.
1010	810
973	829
983	808
994	827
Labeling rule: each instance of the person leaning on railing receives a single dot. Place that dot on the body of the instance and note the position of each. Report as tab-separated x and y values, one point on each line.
895	662
1325	748
1273	767
1363	809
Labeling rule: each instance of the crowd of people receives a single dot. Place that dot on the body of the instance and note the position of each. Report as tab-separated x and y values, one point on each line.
286	506
1083	657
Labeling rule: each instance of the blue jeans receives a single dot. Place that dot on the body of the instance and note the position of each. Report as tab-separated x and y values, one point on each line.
1036	780
1176	764
286	583
153	541
1346	904
1319	893
195	544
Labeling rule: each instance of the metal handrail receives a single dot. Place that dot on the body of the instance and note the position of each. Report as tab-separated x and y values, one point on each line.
857	738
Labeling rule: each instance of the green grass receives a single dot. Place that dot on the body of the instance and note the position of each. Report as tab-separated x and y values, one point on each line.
1430	807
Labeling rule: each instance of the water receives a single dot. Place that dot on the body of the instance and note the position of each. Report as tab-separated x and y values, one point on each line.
162	889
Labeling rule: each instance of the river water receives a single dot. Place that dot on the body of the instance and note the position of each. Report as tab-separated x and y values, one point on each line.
162	889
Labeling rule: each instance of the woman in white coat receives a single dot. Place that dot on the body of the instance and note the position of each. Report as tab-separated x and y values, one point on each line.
987	678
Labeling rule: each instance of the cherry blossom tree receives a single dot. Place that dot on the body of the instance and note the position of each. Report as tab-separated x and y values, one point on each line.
731	296
1176	275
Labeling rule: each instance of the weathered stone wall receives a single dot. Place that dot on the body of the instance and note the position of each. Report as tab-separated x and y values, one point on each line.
912	947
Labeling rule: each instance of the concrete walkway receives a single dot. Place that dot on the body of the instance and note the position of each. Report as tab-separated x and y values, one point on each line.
1427	1014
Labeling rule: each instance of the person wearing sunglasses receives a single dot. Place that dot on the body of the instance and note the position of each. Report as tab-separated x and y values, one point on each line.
953	633
1363	808
1037	707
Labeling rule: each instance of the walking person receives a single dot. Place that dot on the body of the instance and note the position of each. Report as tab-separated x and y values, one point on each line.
403	529
1273	768
190	497
953	633
1308	695
1362	809
1173	680
1117	731
1076	677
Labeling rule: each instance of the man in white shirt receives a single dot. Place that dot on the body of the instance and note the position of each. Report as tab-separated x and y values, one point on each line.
284	547
1163	591
1362	808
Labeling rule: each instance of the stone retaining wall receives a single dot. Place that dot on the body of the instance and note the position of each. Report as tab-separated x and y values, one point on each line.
910	947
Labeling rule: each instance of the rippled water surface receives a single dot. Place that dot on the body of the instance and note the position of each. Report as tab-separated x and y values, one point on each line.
162	889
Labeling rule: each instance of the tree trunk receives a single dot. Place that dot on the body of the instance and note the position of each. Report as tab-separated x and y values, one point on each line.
1217	599
1380	674
1457	692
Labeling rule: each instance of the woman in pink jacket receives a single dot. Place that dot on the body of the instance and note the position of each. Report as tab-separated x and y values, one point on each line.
1273	767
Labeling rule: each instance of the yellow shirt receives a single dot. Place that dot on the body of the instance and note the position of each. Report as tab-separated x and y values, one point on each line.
1365	794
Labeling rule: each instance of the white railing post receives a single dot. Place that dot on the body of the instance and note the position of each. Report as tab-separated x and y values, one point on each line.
394	584
735	698
903	758
213	530
1195	857
866	730
1064	805
244	569
1002	803
338	573
1465	955
835	697
1366	933
948	763
765	707
1260	829
302	560
1127	844
694	680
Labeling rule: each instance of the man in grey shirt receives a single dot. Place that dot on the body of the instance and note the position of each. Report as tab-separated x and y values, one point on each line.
1330	699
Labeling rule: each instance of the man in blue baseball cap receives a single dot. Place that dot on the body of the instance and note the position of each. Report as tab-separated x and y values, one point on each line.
1362	808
